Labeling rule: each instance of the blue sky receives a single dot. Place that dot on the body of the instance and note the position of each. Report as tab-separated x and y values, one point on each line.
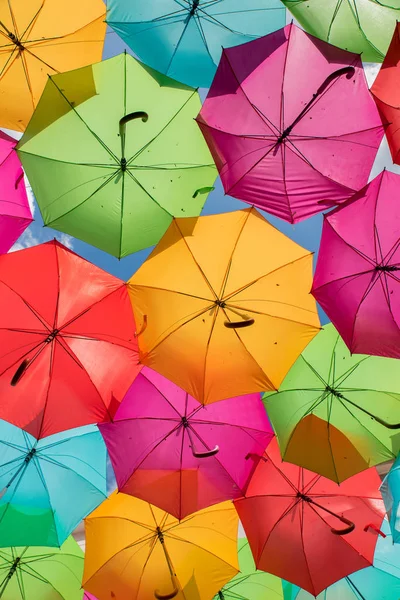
307	233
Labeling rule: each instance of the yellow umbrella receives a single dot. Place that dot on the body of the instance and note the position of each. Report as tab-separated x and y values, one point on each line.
39	38
222	305
137	551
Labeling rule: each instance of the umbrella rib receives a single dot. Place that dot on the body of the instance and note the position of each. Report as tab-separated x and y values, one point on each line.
191	543
52	461
148	193
14	21
9	62
258	312
366	293
31	22
229	265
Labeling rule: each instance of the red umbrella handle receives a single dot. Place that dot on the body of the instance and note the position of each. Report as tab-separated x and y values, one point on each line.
375	528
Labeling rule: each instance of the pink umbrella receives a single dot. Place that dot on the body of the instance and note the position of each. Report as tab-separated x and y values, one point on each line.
171	451
15	214
87	596
357	279
291	123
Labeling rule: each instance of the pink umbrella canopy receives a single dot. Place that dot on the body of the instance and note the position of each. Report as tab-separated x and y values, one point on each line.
357	279
171	451
291	123
15	214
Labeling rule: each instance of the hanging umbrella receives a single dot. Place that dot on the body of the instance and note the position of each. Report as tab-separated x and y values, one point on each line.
223	305
356	279
291	124
390	490
169	450
112	154
184	39
48	486
15	214
67	340
361	26
40	38
250	584
380	582
41	573
337	414
87	596
307	529
385	91
137	551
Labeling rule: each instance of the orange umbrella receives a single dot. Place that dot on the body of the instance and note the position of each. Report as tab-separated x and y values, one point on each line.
39	38
135	551
224	305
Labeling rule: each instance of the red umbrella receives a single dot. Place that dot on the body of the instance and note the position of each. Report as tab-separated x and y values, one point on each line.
68	351
308	529
291	123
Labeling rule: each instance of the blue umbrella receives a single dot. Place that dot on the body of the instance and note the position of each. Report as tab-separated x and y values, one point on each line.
48	486
183	38
380	582
390	490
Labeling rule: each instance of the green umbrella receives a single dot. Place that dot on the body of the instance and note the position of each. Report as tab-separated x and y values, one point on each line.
249	583
361	26
113	153
337	414
33	573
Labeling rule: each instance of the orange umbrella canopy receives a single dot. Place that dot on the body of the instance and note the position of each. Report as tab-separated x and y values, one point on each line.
135	551
39	38
222	305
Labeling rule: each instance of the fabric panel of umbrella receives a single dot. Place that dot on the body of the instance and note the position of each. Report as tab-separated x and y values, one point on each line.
336	413
131	172
305	140
169	450
39	39
223	305
307	529
390	490
184	39
67	338
135	551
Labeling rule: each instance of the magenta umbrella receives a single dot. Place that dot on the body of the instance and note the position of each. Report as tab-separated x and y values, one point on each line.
357	279
291	123
171	451
15	214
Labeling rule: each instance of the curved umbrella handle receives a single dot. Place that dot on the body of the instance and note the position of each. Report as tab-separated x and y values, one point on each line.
143	327
238	324
170	595
346	530
20	371
139	114
205	454
375	528
348	71
203	190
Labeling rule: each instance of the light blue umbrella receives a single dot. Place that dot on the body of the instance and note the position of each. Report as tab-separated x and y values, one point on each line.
380	582
48	486
390	490
184	38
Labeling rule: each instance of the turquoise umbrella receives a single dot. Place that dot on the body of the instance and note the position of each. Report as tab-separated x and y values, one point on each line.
48	486
380	582
390	490
184	38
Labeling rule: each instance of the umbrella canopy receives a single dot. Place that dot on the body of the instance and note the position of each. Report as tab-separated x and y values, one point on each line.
48	486
68	351
223	305
356	279
390	490
184	39
135	551
380	582
304	142
45	573
361	26
116	182
250	584
307	529
39	39
385	90
15	214
169	450
336	413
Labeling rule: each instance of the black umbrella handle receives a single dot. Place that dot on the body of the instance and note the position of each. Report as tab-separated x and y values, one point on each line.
238	324
375	417
139	114
205	453
350	525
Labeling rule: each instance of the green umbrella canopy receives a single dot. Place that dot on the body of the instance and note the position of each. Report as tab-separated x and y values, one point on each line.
113	153
361	26
337	414
35	573
249	583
